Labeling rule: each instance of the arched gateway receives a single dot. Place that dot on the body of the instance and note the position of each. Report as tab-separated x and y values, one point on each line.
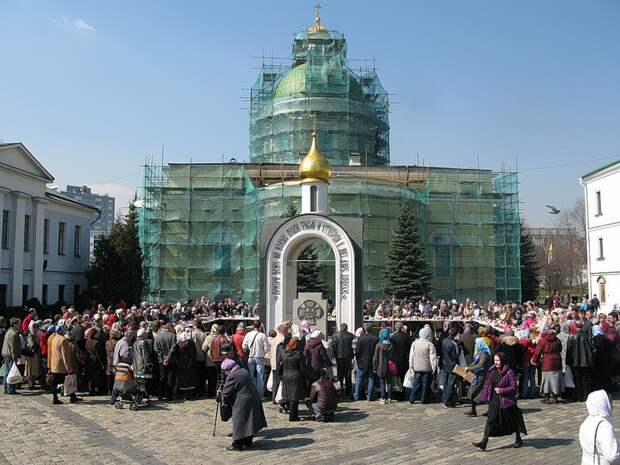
291	237
289	240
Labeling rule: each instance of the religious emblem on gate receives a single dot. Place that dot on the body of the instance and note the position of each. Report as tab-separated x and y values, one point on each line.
310	310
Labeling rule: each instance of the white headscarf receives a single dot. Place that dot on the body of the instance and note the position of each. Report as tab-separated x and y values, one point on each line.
598	404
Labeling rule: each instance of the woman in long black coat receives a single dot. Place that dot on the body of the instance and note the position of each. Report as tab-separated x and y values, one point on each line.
293	381
248	417
182	355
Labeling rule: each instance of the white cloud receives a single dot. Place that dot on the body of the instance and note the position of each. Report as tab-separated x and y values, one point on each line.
122	194
74	24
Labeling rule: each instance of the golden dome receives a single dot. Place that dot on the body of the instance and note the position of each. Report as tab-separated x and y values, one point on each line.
317	26
314	167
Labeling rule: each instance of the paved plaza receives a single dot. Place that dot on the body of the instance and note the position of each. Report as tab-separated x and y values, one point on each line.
35	432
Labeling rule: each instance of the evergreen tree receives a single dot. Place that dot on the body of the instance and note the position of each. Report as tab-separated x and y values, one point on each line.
406	270
530	270
308	272
116	269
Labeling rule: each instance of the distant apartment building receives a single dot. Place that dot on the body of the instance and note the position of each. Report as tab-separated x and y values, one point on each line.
103	202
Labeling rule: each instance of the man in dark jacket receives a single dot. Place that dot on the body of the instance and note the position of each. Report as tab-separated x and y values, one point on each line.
579	358
322	400
163	341
401	345
364	352
342	345
449	358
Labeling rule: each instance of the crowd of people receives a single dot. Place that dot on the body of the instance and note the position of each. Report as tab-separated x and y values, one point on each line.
446	351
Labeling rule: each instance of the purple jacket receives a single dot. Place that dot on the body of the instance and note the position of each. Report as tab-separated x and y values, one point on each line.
507	387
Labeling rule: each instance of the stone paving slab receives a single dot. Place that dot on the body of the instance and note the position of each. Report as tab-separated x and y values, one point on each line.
36	432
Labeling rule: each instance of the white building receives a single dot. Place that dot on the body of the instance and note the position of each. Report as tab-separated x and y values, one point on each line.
45	235
602	198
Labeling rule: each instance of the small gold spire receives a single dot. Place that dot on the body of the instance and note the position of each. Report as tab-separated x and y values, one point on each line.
317	26
314	166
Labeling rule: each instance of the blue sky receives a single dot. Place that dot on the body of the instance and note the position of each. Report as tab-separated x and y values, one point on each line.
93	87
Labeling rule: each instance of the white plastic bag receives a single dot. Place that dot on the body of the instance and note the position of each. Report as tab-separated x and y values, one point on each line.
408	382
70	385
279	394
270	382
14	376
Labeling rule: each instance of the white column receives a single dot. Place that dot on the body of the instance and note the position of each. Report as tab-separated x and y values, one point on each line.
37	262
2	192
18	248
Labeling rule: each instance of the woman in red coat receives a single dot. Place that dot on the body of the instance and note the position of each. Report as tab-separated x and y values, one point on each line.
500	391
550	350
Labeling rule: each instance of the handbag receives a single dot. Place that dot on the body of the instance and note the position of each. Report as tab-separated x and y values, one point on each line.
225	411
70	385
408	382
392	367
14	376
270	382
279	394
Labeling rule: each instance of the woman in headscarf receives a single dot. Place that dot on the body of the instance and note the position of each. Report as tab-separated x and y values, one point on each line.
248	417
95	360
33	349
549	349
468	340
315	357
567	375
382	361
479	366
110	346
602	367
596	434
423	362
182	355
500	391
293	381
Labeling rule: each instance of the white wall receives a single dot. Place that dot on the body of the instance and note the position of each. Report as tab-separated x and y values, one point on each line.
604	225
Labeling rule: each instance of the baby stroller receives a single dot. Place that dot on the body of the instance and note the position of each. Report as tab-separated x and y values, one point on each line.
129	390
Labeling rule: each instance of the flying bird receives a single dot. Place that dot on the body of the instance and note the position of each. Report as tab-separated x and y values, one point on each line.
554	211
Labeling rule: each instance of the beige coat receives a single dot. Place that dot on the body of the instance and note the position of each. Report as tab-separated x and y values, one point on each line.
62	357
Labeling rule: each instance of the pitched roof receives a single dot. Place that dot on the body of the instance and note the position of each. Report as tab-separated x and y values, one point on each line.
604	167
43	173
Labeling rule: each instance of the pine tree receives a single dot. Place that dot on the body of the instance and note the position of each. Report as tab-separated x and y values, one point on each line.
406	270
530	270
116	269
308	272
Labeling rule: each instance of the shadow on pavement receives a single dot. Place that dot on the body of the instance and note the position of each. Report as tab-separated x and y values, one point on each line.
349	415
543	443
284	432
530	410
268	444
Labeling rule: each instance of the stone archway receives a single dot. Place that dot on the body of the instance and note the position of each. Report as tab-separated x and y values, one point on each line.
281	273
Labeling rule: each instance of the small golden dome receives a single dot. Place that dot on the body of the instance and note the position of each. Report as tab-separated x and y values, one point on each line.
314	166
317	26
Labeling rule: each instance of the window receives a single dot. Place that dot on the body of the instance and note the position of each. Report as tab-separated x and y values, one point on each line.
27	233
601	289
5	229
44	295
24	293
601	256
76	241
3	288
61	293
61	238
76	293
599	210
46	236
313	198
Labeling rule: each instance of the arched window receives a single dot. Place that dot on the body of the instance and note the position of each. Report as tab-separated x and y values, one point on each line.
601	289
313	198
